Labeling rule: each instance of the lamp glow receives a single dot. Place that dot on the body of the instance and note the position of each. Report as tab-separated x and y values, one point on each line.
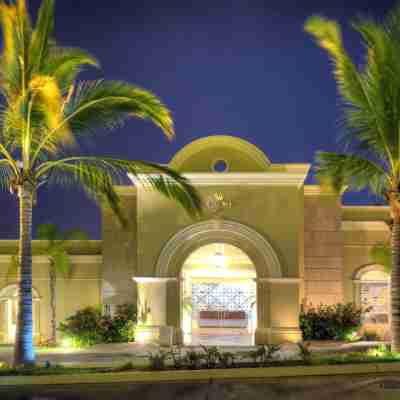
219	260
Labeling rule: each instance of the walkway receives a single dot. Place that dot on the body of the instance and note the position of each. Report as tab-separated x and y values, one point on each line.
116	354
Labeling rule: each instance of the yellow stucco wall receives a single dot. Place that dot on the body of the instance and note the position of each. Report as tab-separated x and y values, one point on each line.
274	212
82	289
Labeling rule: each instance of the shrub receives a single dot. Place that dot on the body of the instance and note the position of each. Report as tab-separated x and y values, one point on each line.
263	353
330	322
158	360
227	359
304	352
211	355
88	327
193	359
82	329
177	357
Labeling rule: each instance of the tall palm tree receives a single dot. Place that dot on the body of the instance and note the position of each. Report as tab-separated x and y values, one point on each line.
45	114
59	262
370	93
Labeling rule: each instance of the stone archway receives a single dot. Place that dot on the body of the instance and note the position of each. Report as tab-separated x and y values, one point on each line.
181	245
278	296
253	244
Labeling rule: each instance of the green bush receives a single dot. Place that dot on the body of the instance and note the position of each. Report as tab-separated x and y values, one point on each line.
330	322
89	327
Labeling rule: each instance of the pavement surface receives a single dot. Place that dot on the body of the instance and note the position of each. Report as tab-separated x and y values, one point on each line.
119	353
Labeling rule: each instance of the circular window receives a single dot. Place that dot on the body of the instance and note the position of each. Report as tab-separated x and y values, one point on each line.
220	166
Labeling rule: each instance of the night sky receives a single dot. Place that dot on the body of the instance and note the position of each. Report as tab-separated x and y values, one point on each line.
239	67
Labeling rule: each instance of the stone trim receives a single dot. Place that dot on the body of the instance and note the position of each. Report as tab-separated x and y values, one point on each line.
150	279
225	141
295	281
359	272
126	190
178	248
81	259
291	177
317	190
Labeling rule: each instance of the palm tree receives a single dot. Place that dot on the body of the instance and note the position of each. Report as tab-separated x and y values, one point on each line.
59	262
370	155
45	114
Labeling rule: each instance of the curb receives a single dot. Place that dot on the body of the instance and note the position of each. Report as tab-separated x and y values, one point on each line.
141	377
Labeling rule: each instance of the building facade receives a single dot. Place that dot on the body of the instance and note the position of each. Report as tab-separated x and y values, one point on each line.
265	245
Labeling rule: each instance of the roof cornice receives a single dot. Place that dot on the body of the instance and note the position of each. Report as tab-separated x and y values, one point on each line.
288	175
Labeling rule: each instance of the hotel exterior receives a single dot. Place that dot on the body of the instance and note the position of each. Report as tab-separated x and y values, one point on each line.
265	245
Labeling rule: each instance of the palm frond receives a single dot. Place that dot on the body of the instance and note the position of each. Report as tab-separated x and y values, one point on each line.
352	170
48	104
48	232
357	89
102	104
6	175
64	64
100	174
381	254
106	104
11	68
41	36
60	259
328	35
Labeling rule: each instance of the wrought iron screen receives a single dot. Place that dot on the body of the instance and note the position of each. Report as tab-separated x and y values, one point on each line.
223	297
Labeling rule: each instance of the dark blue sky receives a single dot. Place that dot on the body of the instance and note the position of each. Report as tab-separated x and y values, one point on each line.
240	67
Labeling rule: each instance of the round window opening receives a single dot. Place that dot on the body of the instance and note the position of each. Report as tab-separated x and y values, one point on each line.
220	166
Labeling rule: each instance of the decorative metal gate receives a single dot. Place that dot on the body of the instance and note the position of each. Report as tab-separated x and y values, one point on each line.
223	297
223	305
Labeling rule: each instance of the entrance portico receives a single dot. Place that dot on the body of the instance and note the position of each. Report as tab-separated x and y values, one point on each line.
161	300
249	204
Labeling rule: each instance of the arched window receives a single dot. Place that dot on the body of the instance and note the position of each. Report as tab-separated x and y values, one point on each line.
9	312
374	284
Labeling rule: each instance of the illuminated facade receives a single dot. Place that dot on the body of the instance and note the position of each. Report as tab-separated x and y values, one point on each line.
265	244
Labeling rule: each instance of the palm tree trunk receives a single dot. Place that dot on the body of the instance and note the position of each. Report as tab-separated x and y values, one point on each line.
395	285
24	353
52	282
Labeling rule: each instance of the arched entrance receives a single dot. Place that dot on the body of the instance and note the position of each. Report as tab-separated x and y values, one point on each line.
218	297
266	267
9	312
372	292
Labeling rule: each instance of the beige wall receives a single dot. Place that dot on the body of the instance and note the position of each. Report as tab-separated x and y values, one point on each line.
359	239
82	289
274	212
323	247
120	251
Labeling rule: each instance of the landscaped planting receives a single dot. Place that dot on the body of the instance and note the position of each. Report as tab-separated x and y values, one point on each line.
331	322
210	358
89	327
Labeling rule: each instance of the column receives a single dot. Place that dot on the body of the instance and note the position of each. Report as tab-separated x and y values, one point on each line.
262	331
174	309
152	311
152	304
284	310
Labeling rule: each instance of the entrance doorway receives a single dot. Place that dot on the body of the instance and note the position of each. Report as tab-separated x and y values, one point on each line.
218	298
